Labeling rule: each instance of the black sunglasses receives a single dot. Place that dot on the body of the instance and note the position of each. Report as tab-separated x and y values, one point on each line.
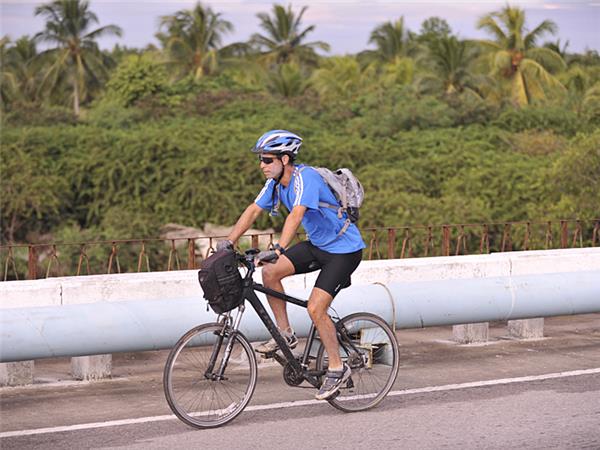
266	160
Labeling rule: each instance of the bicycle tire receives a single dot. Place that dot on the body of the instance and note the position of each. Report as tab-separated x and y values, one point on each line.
374	371
185	373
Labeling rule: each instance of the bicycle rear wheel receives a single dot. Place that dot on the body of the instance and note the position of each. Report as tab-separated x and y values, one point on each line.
194	390
368	345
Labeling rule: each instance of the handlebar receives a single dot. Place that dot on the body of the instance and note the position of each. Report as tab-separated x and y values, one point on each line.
247	259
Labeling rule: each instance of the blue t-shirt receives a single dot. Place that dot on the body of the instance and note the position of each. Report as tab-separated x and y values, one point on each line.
321	223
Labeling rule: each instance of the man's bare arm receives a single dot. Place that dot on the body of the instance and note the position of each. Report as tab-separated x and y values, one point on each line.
244	222
291	225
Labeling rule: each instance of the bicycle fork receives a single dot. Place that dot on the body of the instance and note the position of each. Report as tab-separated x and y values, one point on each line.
226	332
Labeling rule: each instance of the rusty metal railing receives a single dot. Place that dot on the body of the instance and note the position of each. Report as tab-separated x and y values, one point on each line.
32	261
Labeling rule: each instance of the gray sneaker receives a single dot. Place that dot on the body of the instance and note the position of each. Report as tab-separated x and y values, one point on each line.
333	381
271	346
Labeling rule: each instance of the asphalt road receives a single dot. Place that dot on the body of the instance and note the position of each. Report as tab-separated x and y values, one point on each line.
508	394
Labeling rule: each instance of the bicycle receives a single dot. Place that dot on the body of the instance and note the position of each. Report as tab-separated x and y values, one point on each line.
211	373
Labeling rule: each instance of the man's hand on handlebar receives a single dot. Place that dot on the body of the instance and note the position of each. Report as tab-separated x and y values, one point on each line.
268	256
224	244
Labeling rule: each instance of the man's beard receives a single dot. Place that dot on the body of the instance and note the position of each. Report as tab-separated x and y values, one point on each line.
276	174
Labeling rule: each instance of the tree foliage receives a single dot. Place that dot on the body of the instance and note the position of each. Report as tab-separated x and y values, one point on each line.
284	36
192	40
434	126
523	70
392	41
137	77
76	58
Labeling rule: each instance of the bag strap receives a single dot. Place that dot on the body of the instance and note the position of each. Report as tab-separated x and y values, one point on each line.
339	209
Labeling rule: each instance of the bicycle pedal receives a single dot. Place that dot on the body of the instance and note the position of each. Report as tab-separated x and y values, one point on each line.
266	354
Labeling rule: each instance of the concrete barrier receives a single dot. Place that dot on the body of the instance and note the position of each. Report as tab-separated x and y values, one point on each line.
139	308
106	327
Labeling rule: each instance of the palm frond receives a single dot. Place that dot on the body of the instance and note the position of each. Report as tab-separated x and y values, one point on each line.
103	31
547	26
489	24
548	58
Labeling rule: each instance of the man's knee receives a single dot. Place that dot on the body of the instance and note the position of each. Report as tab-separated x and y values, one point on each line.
319	304
315	311
270	275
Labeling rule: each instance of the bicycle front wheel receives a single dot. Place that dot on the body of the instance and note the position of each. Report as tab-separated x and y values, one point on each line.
196	390
368	345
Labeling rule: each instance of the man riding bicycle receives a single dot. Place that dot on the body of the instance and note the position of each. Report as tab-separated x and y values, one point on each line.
333	246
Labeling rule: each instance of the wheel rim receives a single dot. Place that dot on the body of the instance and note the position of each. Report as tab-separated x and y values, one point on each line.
205	401
374	368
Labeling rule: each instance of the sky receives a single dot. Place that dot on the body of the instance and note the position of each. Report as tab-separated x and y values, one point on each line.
344	24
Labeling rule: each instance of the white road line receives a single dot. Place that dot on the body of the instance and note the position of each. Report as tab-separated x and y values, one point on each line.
447	387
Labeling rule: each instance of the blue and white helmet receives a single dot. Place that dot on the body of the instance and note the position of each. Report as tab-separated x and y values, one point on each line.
278	141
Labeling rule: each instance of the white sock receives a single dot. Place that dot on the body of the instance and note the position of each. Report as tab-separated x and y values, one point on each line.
287	333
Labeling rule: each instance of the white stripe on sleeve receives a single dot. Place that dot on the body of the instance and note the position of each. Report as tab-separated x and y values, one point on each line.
263	190
298	187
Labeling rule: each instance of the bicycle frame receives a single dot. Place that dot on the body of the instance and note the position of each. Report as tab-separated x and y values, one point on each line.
299	367
251	297
249	294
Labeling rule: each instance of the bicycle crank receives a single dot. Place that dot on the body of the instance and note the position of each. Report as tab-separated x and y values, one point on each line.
291	376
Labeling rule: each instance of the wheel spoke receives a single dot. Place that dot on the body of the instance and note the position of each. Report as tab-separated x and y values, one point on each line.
372	337
203	402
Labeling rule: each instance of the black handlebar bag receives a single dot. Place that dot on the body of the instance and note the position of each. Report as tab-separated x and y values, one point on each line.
221	281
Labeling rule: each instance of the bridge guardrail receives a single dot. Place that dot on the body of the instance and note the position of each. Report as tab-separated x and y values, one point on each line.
44	260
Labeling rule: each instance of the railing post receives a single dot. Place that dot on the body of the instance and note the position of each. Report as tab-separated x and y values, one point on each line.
445	240
506	240
32	264
549	236
564	234
429	241
527	236
191	253
391	243
485	239
578	234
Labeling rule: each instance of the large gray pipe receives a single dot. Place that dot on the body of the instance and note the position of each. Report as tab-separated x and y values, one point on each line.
98	328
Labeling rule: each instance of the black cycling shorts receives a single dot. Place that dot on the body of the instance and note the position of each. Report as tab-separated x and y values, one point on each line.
336	268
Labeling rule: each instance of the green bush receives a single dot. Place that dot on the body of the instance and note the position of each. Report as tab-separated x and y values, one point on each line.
136	78
559	120
31	114
124	174
572	185
111	114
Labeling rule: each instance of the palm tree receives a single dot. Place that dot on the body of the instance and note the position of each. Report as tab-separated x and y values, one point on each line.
287	80
393	42
591	100
283	39
193	39
8	80
341	77
19	69
449	60
584	90
76	53
559	48
524	69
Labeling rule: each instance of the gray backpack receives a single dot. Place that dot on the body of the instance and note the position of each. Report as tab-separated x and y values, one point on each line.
347	190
